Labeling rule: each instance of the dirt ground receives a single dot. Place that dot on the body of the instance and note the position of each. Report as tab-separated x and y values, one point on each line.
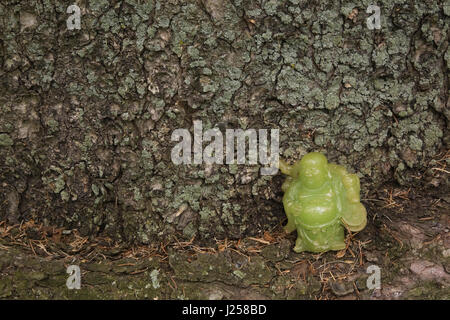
407	237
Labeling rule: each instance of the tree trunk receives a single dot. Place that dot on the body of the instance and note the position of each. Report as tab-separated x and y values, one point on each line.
87	114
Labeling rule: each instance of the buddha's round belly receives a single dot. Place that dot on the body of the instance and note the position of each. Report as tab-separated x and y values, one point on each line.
317	211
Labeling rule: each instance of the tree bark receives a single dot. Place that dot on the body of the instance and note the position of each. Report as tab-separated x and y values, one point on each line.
87	115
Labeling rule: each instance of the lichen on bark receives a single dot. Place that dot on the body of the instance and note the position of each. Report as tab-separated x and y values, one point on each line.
86	115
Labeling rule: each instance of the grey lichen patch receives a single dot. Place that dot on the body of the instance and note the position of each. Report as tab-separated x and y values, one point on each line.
415	143
154	277
5	140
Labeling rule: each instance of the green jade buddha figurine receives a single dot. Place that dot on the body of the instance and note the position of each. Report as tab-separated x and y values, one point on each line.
320	199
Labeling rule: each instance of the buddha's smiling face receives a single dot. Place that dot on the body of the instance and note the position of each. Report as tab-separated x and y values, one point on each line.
313	170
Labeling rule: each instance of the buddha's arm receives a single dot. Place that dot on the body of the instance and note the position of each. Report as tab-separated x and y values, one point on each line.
350	182
292	206
355	216
286	183
284	167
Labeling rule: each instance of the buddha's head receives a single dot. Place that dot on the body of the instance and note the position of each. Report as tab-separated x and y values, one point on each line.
313	170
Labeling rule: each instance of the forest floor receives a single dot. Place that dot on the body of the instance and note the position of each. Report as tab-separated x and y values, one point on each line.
407	237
